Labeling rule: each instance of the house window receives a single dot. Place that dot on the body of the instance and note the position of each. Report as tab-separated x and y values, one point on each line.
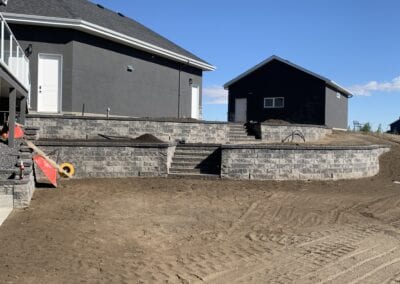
278	102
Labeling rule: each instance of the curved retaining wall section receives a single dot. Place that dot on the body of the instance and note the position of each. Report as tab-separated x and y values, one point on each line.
253	162
279	133
75	127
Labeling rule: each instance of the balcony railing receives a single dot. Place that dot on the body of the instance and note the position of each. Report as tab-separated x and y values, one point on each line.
12	56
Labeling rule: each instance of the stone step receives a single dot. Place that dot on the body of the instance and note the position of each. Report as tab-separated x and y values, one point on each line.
237	126
192	171
193	153
194	160
199	149
195	176
192	164
25	149
27	171
22	155
240	135
242	138
237	133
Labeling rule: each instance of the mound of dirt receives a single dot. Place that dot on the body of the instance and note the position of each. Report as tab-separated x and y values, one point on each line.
147	138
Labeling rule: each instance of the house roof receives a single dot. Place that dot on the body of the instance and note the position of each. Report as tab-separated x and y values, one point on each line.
95	19
328	82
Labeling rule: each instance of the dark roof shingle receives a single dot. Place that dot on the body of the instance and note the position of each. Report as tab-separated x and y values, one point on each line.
90	12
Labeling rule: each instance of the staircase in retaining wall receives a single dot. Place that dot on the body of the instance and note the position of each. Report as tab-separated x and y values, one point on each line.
10	176
239	133
196	161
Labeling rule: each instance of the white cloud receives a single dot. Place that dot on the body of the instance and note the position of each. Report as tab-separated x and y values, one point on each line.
215	95
374	86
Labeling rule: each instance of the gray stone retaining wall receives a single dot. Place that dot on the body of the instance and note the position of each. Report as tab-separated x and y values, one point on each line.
300	163
111	160
62	127
17	193
284	133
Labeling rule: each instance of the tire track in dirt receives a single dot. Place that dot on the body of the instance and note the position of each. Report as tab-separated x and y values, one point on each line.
293	263
357	265
236	223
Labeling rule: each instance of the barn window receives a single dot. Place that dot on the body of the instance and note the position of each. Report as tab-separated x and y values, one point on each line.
278	102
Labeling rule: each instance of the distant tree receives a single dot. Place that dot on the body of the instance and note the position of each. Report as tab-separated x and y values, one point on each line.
379	130
366	127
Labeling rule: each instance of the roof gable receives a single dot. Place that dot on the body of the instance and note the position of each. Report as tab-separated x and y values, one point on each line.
328	82
87	16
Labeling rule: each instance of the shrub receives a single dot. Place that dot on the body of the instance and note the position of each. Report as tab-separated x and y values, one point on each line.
366	127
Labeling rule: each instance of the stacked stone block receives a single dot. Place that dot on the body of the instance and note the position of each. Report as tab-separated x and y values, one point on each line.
300	163
111	160
90	128
17	193
284	133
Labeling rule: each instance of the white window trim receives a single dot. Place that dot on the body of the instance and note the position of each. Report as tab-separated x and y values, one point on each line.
273	102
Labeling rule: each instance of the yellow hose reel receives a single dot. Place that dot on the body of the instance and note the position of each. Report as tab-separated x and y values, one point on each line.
67	168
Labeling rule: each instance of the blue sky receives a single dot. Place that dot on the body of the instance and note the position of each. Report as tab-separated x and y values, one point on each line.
355	43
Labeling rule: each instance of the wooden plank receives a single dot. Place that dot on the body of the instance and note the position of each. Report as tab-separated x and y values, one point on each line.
43	154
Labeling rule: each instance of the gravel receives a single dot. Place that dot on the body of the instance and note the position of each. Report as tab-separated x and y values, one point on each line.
7	160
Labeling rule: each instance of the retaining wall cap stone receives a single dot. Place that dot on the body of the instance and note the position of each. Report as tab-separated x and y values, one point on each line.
84	143
308	147
295	125
121	119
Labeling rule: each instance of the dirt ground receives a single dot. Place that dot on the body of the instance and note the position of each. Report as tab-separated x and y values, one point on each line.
159	230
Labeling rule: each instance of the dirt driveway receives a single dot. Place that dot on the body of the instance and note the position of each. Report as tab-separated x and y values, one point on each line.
194	231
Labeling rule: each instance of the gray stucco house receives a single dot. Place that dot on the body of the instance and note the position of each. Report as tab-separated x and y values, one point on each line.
86	58
279	89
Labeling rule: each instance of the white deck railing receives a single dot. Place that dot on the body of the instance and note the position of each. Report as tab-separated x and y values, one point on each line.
12	56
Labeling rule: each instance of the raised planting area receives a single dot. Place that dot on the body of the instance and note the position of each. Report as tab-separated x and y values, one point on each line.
286	162
161	230
104	158
191	131
339	156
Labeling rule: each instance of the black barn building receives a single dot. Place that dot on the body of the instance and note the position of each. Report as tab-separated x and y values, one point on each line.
395	127
279	89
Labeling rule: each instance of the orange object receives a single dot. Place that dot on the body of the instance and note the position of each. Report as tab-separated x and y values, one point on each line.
18	132
49	171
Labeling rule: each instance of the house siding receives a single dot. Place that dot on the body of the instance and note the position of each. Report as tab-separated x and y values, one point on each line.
95	75
336	114
304	94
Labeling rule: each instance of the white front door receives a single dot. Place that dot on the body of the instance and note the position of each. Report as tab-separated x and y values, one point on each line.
240	110
195	102
49	83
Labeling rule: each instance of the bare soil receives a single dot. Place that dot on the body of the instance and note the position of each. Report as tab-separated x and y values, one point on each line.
157	230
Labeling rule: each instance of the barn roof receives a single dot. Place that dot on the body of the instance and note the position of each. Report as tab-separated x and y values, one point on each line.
395	122
96	19
328	82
